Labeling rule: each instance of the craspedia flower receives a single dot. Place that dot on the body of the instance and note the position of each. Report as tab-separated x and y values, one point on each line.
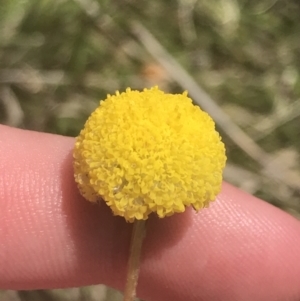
144	152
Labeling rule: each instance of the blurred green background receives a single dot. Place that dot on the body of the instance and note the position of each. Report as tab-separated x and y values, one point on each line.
58	58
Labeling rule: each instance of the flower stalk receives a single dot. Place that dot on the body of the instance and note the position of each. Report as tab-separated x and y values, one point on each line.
137	237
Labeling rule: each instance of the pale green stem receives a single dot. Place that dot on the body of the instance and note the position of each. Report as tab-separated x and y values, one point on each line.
137	237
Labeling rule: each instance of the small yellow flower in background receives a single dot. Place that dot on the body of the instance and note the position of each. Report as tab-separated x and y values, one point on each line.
149	151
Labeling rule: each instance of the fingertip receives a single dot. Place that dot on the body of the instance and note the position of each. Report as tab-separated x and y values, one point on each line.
240	248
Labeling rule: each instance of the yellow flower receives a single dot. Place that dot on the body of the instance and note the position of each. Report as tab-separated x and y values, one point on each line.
148	151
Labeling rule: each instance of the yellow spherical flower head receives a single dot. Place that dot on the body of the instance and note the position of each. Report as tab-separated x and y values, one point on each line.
148	151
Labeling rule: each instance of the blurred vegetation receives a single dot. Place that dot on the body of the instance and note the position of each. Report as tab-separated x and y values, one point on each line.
59	58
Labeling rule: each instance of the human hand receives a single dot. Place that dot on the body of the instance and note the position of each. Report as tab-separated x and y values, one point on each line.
238	249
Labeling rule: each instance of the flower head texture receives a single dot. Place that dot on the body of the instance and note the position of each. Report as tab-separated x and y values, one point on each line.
144	152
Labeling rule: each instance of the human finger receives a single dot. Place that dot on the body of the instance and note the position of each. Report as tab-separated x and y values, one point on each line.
238	249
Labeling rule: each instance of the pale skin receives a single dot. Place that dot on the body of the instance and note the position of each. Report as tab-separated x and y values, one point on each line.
240	248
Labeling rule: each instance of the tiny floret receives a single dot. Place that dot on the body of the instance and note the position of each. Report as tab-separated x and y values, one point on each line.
149	151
